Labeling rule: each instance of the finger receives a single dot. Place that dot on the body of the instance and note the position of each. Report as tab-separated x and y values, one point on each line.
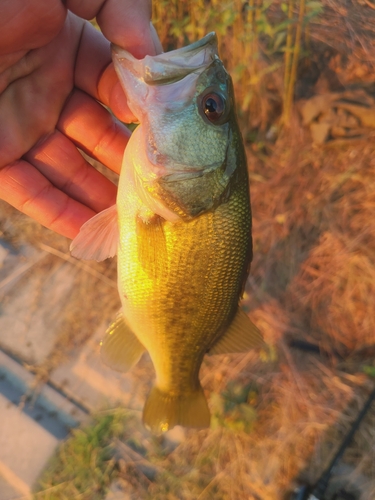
62	164
89	69
112	95
156	40
24	187
28	25
91	127
96	75
124	22
31	103
127	24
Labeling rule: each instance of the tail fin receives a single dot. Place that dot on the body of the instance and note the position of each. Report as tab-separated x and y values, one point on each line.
163	411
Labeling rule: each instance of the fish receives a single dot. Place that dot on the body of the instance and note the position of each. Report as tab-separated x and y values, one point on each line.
181	229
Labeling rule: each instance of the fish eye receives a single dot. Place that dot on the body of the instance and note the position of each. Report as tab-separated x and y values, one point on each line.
214	107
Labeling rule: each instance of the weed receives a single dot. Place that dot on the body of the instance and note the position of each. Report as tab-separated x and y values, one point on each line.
84	465
234	408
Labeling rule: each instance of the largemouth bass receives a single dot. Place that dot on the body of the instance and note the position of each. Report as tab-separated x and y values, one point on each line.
181	229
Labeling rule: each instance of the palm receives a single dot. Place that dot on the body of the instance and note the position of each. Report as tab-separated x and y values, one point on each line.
48	104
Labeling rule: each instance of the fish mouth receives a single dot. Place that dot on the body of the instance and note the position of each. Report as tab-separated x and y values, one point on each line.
170	67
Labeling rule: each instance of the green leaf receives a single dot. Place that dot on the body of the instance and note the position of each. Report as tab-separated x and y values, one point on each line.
279	40
314	5
369	370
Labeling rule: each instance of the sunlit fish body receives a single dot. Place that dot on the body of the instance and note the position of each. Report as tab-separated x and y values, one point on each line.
181	228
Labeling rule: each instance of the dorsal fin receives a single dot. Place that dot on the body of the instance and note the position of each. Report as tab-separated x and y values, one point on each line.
241	336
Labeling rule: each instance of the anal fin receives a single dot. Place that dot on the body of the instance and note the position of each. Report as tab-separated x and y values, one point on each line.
241	336
120	348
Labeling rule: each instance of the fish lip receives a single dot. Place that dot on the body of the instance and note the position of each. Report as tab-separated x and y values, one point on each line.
169	67
209	39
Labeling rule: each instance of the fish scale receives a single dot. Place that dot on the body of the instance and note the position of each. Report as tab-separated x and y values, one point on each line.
187	318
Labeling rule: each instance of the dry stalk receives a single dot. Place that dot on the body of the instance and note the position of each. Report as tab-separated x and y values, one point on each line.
294	64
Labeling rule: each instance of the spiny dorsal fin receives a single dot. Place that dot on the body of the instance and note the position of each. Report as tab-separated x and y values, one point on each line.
241	336
98	237
152	247
162	411
120	348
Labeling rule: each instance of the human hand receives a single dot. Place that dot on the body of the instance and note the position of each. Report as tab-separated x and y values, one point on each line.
54	68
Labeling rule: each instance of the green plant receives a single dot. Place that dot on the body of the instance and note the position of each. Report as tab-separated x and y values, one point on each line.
296	25
84	465
234	408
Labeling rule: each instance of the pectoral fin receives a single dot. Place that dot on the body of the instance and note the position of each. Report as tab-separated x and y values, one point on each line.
241	336
120	348
98	237
152	247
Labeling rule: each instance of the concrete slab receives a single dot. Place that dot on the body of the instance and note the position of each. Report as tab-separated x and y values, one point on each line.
4	251
14	263
25	447
7	492
30	429
47	404
96	386
31	310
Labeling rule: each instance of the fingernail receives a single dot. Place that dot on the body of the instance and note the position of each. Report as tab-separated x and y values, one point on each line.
155	39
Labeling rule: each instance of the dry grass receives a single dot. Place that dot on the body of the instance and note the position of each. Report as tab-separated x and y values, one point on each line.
313	278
